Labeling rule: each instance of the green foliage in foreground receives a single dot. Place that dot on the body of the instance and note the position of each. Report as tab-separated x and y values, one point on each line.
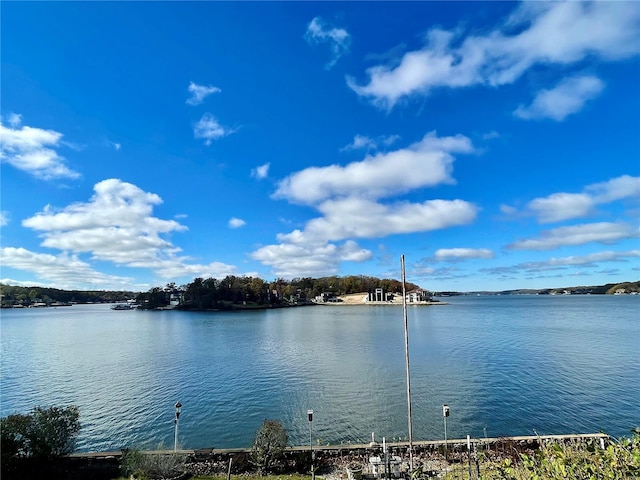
269	444
553	461
43	433
34	443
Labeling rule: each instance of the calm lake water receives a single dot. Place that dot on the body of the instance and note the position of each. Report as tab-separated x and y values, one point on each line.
506	365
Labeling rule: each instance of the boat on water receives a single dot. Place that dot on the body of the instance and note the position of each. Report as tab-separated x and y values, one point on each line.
123	306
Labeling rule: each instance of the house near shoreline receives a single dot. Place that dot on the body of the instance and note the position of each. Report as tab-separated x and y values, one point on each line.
376	296
326	297
379	295
418	295
414	296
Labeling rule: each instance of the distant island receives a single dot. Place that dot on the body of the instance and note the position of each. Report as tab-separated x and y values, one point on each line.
243	293
229	293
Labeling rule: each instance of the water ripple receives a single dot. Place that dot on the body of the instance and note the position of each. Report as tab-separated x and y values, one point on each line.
507	365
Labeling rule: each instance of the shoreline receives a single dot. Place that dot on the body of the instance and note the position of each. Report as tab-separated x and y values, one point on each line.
360	299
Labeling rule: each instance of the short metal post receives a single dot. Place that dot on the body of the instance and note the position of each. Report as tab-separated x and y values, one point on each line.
469	453
175	422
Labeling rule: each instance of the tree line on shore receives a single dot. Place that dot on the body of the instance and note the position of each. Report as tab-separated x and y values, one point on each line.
25	296
212	293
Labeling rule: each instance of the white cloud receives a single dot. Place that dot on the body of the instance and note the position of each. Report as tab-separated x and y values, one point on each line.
4	218
443	273
348	199
456	254
199	93
425	163
316	260
33	150
366	143
117	225
583	260
615	189
261	172
565	99
180	267
492	135
210	129
362	218
117	146
360	142
592	260
565	206
337	38
236	223
25	283
603	232
561	206
508	210
63	270
560	33
15	119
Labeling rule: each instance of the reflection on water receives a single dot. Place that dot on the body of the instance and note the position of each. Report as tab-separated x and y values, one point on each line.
507	364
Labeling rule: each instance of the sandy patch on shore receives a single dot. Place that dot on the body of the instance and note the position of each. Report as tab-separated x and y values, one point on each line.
354	298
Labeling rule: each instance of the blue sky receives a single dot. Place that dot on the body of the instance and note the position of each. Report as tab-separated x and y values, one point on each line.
496	145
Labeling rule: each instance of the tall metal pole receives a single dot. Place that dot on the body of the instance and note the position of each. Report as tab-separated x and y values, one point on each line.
406	356
445	414
310	415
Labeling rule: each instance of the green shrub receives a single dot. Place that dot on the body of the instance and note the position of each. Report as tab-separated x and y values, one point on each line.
269	444
32	444
43	433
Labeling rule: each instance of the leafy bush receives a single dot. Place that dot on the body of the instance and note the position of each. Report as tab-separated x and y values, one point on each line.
269	444
43	433
152	465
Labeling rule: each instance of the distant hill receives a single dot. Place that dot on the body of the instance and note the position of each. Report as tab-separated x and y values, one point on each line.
607	289
626	287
